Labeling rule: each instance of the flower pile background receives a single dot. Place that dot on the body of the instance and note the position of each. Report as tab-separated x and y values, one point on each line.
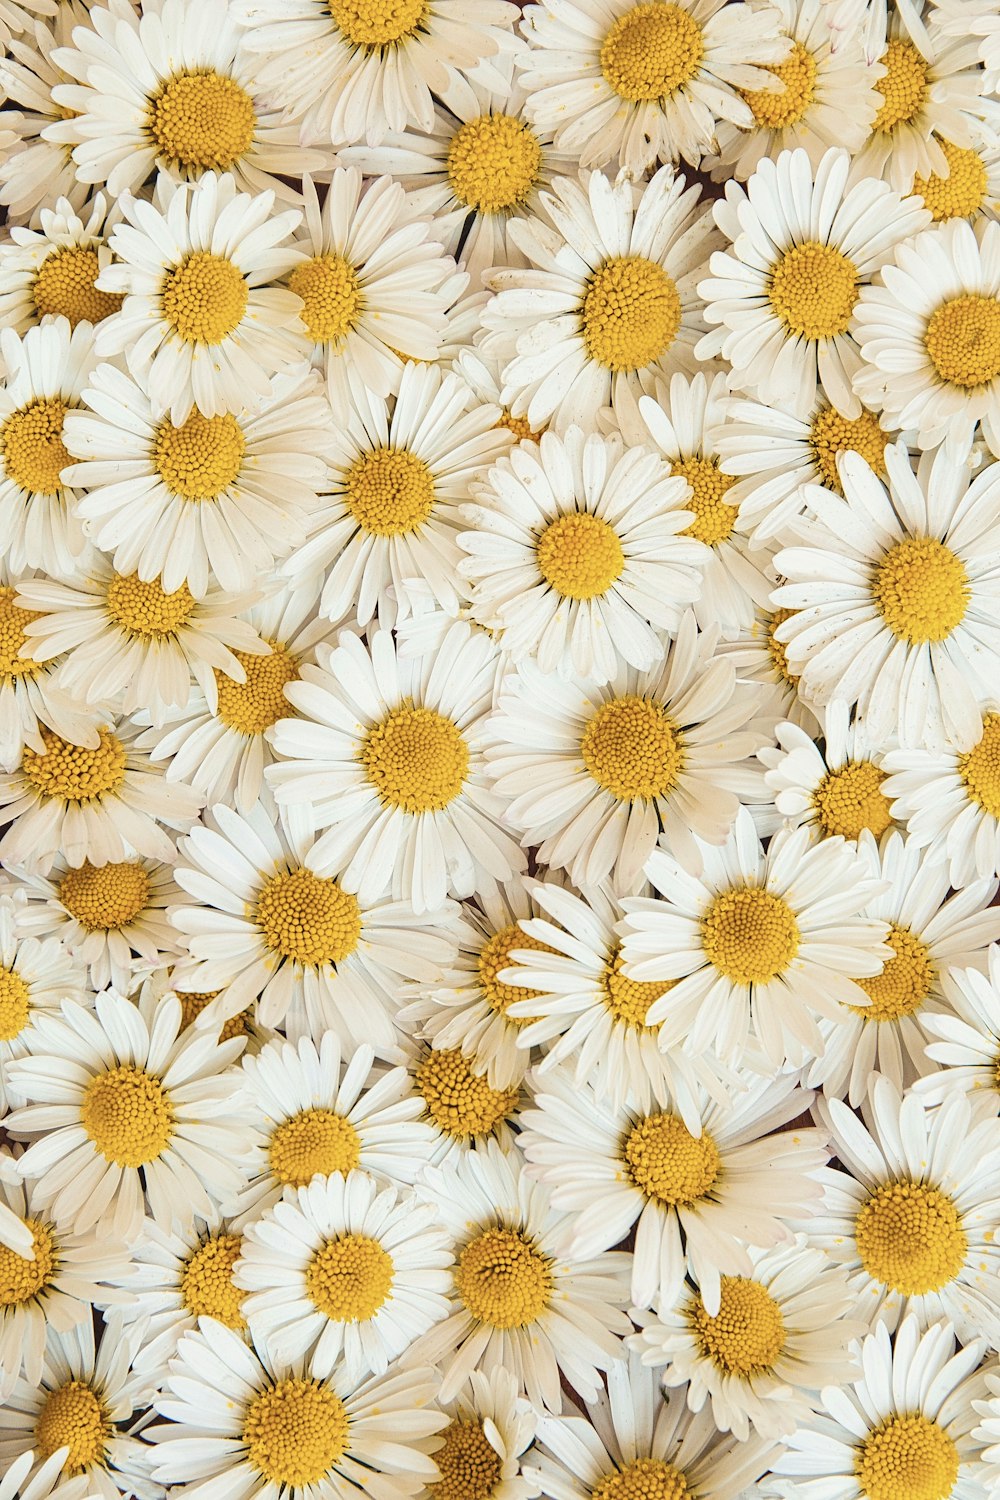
499	750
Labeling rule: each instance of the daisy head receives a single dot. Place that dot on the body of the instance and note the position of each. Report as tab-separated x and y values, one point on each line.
460	1105
51	272
34	976
965	1036
971	185
486	1441
835	785
759	658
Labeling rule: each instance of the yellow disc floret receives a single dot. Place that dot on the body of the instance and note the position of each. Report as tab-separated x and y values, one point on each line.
503	1280
31	442
643	1479
632	749
777	110
458	1101
416	759
813	290
747	1334
979	768
313	1142
921	590
494	956
904	86
666	1162
295	1432
850	799
15	1003
73	1416
714	517
628	1000
652	51
105	898
331	295
776	649
372	24
14	663
750	935
349	1278
631	313
145	610
963	192
905	981
580	555
72	772
493	163
910	1238
20	1279
193	1002
207	1287
470	1467
308	918
251	707
204	298
389	491
203	120
907	1458
200	459
963	340
64	287
833	434
128	1115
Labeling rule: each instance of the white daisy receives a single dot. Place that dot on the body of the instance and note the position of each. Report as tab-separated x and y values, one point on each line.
965	1038
461	1107
970	187
34	976
51	272
488	1437
760	660
26	1480
39	171
835	786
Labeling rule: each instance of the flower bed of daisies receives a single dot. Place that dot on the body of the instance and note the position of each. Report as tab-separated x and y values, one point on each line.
499	750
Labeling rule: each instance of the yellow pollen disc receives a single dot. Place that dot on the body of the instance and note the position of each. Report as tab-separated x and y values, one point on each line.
643	1479
921	590
813	290
194	1002
776	649
904	88
962	193
15	1003
652	51
253	706
144	609
493	163
580	556
201	458
963	340
519	426
34	454
350	1278
128	1115
628	1000
631	311
74	1417
13	619
665	1161
72	772
979	768
910	1238
850	799
494	956
295	1432
105	898
460	1102
377	23
503	1280
905	981
776	111
64	287
833	434
632	749
308	918
202	120
747	1334
469	1465
204	298
331	295
20	1279
750	935
714	517
907	1458
416	759
389	492
207	1288
315	1141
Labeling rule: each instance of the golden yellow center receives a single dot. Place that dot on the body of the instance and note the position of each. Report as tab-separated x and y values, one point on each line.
494	956
21	1279
493	163
628	1000
207	1288
194	1002
714	517
631	312
776	111
904	88
377	23
905	981
73	1417
503	1280
632	749
470	1467
921	590
200	459
204	298
979	768
315	1141
652	51
907	1458
144	609
64	287
295	1432
910	1238
963	340
416	759
350	1278
580	556
203	120
105	898
963	192
850	799
389	491
813	290
128	1115
308	918
750	935
665	1161
519	426
332	297
643	1479
15	1003
34	454
832	434
251	707
13	619
747	1334
73	772
776	649
460	1102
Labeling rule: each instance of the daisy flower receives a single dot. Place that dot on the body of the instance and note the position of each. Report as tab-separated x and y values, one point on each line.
577	555
39	171
593	774
965	1037
622	81
490	1433
122	1103
202	325
35	976
697	1200
519	1300
930	336
894	591
911	1218
761	661
834	786
388	755
803	245
780	1335
970	187
903	1428
26	1480
608	297
52	271
461	1107
242	1419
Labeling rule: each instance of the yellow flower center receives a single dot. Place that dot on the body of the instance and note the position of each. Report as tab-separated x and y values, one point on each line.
207	1288
666	1162
469	1465
332	297
631	309
580	555
34	454
832	434
747	1334
202	120
979	768
20	1279
389	491
652	51
377	23
750	935
460	1102
963	340
643	1479
963	192
74	1417
519	426
295	1432
253	706
15	1003
72	772
776	111
350	1278
850	799
714	517
194	1002
904	88
910	1238
632	749
64	287
493	163
313	1142
308	918
128	1115
200	459
503	1280
494	956
628	1000
105	898
921	590
907	1458
144	609
905	981
813	290
416	759
13	619
204	298
776	649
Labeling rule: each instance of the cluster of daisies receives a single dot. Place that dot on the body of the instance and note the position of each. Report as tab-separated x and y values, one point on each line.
499	750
